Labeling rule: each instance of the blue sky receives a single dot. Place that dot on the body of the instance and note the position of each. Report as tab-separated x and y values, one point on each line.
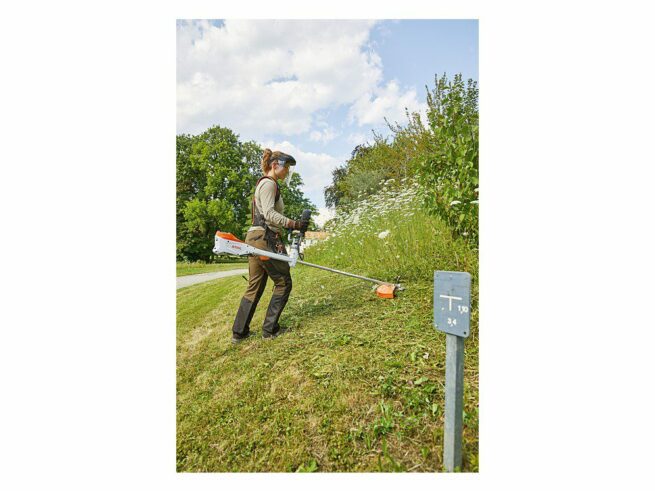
314	89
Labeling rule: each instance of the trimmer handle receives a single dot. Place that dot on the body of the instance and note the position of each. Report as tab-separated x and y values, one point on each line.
306	215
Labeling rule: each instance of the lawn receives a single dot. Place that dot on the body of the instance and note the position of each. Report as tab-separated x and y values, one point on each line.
356	385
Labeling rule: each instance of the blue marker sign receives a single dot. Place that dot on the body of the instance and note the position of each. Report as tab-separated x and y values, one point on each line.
452	302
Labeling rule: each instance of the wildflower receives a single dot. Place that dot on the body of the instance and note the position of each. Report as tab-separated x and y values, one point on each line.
455	202
383	235
474	202
426	356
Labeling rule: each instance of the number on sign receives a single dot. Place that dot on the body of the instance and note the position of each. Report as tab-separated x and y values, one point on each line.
463	309
452	322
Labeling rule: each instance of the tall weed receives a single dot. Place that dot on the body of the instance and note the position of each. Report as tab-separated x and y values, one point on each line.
389	236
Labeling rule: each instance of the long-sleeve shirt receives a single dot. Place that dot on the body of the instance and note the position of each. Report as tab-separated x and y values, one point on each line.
266	205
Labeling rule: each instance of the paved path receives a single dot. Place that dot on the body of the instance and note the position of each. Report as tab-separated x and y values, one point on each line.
192	279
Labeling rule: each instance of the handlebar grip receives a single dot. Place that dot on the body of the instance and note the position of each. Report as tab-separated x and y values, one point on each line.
306	215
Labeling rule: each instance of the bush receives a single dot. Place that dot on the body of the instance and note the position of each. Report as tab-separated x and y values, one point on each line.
442	154
448	172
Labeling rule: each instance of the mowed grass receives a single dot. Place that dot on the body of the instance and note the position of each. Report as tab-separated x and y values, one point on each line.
183	269
356	385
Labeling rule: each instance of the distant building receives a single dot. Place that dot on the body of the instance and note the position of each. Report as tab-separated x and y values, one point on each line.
316	236
312	238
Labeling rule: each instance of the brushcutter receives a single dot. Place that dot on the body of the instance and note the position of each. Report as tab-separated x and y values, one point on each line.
226	243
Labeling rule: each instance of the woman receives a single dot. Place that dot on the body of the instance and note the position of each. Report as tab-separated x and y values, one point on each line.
268	223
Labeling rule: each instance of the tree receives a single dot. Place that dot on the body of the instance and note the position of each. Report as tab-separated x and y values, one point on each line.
333	193
187	184
294	199
362	175
215	177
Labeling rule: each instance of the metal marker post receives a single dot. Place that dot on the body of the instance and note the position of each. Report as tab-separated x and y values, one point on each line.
452	431
452	310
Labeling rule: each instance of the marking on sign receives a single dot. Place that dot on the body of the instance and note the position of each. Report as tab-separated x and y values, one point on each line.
452	290
450	301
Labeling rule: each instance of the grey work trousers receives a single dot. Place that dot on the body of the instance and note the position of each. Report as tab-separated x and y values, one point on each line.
259	270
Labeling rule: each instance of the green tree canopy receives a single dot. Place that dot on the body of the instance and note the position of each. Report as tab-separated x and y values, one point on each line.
216	176
294	199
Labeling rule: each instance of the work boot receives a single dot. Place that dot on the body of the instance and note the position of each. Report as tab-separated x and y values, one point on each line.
238	340
279	332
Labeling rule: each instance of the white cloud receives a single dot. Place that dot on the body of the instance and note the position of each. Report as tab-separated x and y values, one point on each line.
273	80
314	168
324	136
388	101
268	77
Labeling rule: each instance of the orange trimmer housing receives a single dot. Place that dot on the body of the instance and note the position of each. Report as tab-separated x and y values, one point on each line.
386	291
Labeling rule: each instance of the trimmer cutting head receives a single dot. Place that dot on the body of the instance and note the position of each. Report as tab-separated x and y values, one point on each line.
387	290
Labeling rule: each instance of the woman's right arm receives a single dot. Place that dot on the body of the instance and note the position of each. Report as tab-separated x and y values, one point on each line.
267	204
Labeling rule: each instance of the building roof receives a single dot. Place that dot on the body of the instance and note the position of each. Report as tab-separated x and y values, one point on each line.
318	235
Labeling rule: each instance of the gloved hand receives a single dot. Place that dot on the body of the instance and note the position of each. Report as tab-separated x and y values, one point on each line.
299	225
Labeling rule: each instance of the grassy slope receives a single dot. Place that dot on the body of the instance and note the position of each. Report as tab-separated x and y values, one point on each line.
358	382
183	269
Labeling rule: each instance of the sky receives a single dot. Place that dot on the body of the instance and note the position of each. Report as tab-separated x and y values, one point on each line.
314	88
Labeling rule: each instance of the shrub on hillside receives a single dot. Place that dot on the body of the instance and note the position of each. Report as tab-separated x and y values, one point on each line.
448	171
442	153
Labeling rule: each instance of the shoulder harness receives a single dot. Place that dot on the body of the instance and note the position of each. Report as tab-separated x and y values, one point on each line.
258	219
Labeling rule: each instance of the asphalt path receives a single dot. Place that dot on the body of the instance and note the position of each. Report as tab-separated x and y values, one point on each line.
192	279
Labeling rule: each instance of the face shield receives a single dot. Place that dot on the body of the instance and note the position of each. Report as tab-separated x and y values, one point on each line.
290	163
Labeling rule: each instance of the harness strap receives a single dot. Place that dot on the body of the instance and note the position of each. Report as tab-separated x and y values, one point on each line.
261	221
